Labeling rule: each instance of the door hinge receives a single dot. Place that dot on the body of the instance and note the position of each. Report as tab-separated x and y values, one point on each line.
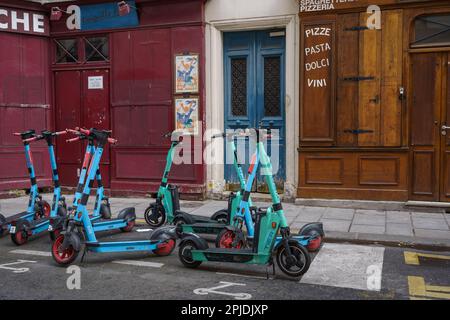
358	78
358	131
357	28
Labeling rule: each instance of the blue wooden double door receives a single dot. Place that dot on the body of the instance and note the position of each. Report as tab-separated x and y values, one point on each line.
254	78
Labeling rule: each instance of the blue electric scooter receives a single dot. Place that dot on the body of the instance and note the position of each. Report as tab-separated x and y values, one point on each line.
22	229
37	207
79	228
102	208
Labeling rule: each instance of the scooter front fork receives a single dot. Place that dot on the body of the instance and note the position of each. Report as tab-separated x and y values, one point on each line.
290	259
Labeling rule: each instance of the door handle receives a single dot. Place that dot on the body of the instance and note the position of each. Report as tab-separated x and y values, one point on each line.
444	129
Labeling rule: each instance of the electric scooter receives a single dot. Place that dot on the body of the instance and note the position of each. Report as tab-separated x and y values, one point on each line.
166	209
79	228
37	207
291	254
102	208
234	198
226	234
125	220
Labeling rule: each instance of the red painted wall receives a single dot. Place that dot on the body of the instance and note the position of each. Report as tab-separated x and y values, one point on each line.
141	92
24	103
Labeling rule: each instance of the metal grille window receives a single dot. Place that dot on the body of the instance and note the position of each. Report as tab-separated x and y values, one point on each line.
272	86
66	51
431	31
96	49
239	86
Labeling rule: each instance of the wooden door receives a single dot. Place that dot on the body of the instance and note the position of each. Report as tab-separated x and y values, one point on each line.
445	133
428	109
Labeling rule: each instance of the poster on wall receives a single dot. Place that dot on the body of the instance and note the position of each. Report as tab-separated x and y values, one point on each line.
186	73
186	115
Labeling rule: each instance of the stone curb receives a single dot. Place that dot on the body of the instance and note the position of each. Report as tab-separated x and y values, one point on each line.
388	240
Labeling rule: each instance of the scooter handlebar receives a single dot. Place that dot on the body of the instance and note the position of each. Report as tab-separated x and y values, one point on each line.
36	138
74	139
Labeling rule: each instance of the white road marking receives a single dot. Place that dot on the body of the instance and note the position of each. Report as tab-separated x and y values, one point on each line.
7	266
139	263
224	284
144	230
32	252
347	266
126	262
240	275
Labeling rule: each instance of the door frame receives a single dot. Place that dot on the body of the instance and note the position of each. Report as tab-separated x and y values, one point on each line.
215	114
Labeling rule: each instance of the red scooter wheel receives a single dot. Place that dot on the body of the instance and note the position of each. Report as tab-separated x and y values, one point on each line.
226	238
63	257
19	238
314	244
129	226
47	208
165	249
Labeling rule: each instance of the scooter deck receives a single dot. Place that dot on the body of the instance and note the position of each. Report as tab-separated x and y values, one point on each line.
206	228
229	255
201	219
18	216
105	225
123	246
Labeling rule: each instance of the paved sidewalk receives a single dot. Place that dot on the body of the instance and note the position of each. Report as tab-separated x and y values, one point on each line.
416	229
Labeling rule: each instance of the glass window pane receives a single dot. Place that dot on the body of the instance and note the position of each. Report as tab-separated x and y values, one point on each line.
97	49
66	51
239	86
272	86
432	31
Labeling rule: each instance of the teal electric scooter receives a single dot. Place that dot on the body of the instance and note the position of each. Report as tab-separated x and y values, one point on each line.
234	198
290	251
166	208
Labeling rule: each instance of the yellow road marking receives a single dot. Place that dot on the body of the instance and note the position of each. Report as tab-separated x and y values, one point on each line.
412	258
418	288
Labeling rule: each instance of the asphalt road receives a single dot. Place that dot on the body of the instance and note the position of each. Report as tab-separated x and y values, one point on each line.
339	271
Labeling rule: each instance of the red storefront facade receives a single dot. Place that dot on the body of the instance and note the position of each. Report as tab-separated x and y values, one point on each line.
135	98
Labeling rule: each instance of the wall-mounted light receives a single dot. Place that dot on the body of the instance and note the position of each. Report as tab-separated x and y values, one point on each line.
56	14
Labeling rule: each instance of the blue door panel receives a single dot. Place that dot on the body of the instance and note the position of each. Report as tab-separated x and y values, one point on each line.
248	58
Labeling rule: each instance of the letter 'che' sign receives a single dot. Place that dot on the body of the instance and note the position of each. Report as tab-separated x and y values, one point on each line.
21	21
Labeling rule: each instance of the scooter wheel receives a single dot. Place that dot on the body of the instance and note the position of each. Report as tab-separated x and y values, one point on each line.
155	216
129	227
314	244
225	240
63	257
220	216
2	222
46	209
166	248
293	268
185	254
105	211
19	238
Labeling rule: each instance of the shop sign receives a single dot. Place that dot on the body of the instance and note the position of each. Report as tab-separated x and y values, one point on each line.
104	16
21	21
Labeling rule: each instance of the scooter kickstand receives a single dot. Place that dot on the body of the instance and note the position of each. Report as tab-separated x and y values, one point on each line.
84	255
